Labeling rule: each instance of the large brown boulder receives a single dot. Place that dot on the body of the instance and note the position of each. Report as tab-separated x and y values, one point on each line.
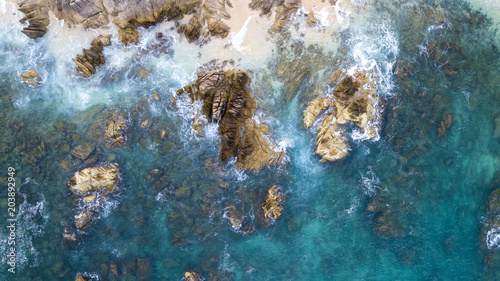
104	178
93	57
226	101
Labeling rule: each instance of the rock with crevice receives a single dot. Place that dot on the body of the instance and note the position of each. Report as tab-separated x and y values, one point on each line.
273	206
226	101
354	100
37	14
93	57
83	150
104	178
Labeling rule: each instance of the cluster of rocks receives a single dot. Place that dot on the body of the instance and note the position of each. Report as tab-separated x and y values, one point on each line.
31	77
37	15
91	186
130	269
93	57
226	101
353	100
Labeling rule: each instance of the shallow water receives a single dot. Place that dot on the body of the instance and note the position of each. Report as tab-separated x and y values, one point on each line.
430	59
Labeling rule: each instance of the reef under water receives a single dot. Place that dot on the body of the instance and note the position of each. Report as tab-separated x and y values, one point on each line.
250	140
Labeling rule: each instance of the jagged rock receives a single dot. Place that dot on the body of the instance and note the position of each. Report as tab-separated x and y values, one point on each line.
283	13
273	206
69	235
31	77
331	143
313	110
84	219
192	276
227	102
354	100
311	21
235	216
128	35
83	150
211	12
104	178
37	14
256	152
116	130
92	57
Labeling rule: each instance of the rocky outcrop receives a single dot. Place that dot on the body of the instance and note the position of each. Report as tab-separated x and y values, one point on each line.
273	206
31	77
37	14
256	151
91	186
116	130
354	100
284	9
331	144
226	101
207	21
104	179
93	57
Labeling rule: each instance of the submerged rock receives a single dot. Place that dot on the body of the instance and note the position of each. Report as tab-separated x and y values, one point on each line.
116	130
83	150
93	57
354	100
226	101
273	206
31	77
104	178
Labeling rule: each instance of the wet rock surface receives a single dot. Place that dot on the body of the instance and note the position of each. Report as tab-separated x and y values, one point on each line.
31	77
37	15
354	100
93	57
273	206
226	101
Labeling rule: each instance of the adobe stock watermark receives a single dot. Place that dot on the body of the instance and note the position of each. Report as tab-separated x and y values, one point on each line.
11	221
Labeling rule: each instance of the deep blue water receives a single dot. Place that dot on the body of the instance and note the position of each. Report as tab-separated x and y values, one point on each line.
431	58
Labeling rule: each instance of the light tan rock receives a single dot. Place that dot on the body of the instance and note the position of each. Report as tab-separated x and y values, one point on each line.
332	145
104	178
192	276
313	110
273	206
31	77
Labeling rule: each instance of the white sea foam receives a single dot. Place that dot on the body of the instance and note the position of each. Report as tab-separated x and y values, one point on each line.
370	182
493	238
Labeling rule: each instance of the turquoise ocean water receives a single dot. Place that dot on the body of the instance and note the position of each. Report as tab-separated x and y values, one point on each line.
432	59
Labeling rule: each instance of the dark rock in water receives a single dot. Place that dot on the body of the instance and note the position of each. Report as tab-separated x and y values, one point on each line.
227	102
234	215
192	276
37	14
445	124
70	235
182	192
494	201
93	57
83	150
143	268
